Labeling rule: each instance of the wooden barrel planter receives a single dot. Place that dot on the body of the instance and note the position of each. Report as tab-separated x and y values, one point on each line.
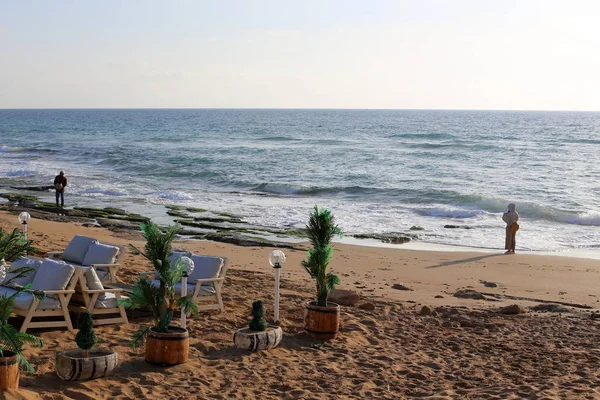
73	365
248	339
322	322
168	348
9	371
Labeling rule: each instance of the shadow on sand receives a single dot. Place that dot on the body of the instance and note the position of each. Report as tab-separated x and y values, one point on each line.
466	260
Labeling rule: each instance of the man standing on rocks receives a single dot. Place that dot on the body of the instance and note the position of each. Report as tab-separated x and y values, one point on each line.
60	182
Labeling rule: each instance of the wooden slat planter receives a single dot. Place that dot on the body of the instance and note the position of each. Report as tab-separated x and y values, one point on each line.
248	339
167	348
72	365
9	371
322	322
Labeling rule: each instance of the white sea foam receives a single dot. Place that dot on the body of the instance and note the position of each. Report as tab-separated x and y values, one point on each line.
369	167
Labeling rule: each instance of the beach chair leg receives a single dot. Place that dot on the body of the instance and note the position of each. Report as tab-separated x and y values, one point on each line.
64	306
219	299
122	312
29	315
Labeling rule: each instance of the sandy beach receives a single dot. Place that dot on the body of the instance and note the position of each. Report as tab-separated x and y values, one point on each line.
455	348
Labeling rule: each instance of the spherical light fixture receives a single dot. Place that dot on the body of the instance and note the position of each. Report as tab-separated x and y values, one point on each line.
24	217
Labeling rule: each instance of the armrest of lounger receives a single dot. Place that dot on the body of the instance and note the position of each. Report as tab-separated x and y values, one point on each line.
103	265
209	280
105	290
58	291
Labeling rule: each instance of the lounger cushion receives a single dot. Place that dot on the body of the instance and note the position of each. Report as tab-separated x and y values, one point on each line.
92	279
23	301
52	275
206	267
108	300
23	262
103	274
77	249
99	253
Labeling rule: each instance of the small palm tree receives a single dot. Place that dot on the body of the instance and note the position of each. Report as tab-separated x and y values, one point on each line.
13	246
161	300
321	229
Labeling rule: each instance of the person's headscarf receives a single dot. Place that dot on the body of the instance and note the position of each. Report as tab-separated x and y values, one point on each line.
512	215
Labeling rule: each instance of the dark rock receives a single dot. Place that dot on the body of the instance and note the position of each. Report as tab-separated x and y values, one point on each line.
451	324
469	294
400	286
367	306
92	225
512	310
550	308
425	311
344	297
417	228
465	322
34	188
490	284
457	227
447	312
439	296
393	238
398	240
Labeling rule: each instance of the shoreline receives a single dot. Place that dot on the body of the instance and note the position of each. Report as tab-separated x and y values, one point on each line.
432	275
165	214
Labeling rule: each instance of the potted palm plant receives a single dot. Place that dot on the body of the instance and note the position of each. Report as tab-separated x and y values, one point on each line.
322	318
86	362
165	344
13	246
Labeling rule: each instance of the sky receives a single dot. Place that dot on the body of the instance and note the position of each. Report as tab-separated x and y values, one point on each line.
366	54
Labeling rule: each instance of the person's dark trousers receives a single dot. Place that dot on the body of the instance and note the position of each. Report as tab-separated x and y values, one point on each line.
60	193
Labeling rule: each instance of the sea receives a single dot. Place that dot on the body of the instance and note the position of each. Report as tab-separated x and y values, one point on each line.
379	171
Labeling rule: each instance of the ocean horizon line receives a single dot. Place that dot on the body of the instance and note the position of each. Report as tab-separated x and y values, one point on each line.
292	109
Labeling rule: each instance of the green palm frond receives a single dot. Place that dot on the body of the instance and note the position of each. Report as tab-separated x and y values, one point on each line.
158	244
23	363
320	230
6	308
16	273
162	299
13	246
187	305
144	294
332	281
9	337
139	336
13	340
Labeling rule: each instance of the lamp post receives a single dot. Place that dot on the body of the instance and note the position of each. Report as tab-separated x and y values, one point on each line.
276	259
24	218
3	267
189	267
